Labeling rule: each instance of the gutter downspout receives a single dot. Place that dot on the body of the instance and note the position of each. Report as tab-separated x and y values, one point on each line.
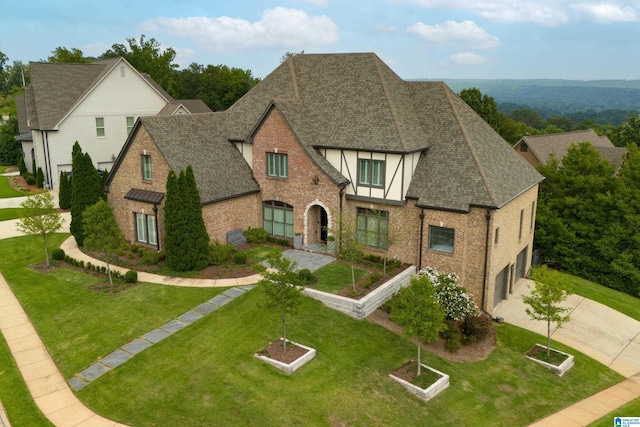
341	219
488	217
421	239
47	158
155	212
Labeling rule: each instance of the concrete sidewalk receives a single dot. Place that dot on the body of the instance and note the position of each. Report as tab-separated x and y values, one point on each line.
596	330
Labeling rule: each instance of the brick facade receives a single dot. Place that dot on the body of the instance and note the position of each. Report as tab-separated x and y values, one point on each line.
306	188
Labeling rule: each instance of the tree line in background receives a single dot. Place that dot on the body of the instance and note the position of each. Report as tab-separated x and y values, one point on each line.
620	126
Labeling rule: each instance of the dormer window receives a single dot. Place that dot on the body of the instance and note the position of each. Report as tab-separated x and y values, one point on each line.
371	173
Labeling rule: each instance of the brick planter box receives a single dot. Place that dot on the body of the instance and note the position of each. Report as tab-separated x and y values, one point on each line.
429	392
363	307
559	370
289	368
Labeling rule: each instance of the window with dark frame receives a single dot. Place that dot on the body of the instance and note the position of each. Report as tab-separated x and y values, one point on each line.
277	218
441	239
533	214
146	229
373	227
523	148
277	165
371	172
497	235
146	167
521	223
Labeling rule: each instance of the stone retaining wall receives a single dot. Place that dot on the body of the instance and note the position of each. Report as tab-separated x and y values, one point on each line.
361	308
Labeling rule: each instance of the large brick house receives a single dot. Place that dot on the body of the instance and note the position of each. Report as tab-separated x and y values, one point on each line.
419	173
95	104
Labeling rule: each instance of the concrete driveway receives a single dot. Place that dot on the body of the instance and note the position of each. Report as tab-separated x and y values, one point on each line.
596	330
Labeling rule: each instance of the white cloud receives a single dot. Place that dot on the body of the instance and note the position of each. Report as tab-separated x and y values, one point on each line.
280	28
464	34
542	12
606	13
468	58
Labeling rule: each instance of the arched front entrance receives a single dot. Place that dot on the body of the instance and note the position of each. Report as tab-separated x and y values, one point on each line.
317	222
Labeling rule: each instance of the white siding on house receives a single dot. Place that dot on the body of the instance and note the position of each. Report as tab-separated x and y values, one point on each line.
247	152
115	98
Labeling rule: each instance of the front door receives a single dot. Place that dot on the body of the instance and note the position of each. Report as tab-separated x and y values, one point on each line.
324	224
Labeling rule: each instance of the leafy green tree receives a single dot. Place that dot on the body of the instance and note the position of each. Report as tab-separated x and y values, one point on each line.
288	55
484	105
62	54
529	117
282	286
350	247
218	86
10	149
548	292
416	308
64	194
629	131
146	56
39	216
102	233
85	190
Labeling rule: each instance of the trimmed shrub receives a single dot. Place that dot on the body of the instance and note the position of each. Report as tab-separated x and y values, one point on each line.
373	279
255	235
151	257
219	253
29	178
283	242
475	329
131	276
103	269
22	166
452	336
241	258
58	254
305	275
64	195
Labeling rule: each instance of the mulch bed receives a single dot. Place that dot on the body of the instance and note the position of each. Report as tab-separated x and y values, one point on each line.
409	371
361	285
18	183
103	287
540	353
468	353
276	352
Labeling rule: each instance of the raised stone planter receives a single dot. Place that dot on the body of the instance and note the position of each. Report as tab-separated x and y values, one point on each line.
363	307
426	393
293	366
559	370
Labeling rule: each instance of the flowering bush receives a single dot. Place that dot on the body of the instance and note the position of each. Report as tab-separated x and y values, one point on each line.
456	300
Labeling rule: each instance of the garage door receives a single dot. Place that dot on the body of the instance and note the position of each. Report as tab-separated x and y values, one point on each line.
521	264
502	279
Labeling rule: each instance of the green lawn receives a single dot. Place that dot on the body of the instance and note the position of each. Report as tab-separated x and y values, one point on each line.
10	213
4	168
631	409
6	190
336	276
206	375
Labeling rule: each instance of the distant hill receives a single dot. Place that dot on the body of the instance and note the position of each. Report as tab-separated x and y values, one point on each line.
560	96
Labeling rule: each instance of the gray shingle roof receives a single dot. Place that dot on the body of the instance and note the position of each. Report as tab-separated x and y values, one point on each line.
200	140
193	106
468	163
543	145
144	196
57	87
355	101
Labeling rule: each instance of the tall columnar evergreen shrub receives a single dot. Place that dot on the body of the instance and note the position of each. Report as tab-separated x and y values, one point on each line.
64	195
33	166
85	191
40	178
200	242
174	220
186	239
22	166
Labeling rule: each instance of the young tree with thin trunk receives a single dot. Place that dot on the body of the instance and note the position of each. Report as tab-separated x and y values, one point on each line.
544	299
102	233
283	289
39	216
350	247
417	309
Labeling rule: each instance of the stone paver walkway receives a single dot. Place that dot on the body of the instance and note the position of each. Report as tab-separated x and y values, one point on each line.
308	260
126	352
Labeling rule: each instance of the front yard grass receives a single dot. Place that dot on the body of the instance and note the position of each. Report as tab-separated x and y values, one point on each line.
6	190
336	276
206	374
10	213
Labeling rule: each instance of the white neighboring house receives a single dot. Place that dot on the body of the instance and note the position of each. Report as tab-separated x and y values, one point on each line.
95	104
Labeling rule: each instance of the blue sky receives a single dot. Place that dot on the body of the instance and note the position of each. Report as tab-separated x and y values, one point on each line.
443	39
